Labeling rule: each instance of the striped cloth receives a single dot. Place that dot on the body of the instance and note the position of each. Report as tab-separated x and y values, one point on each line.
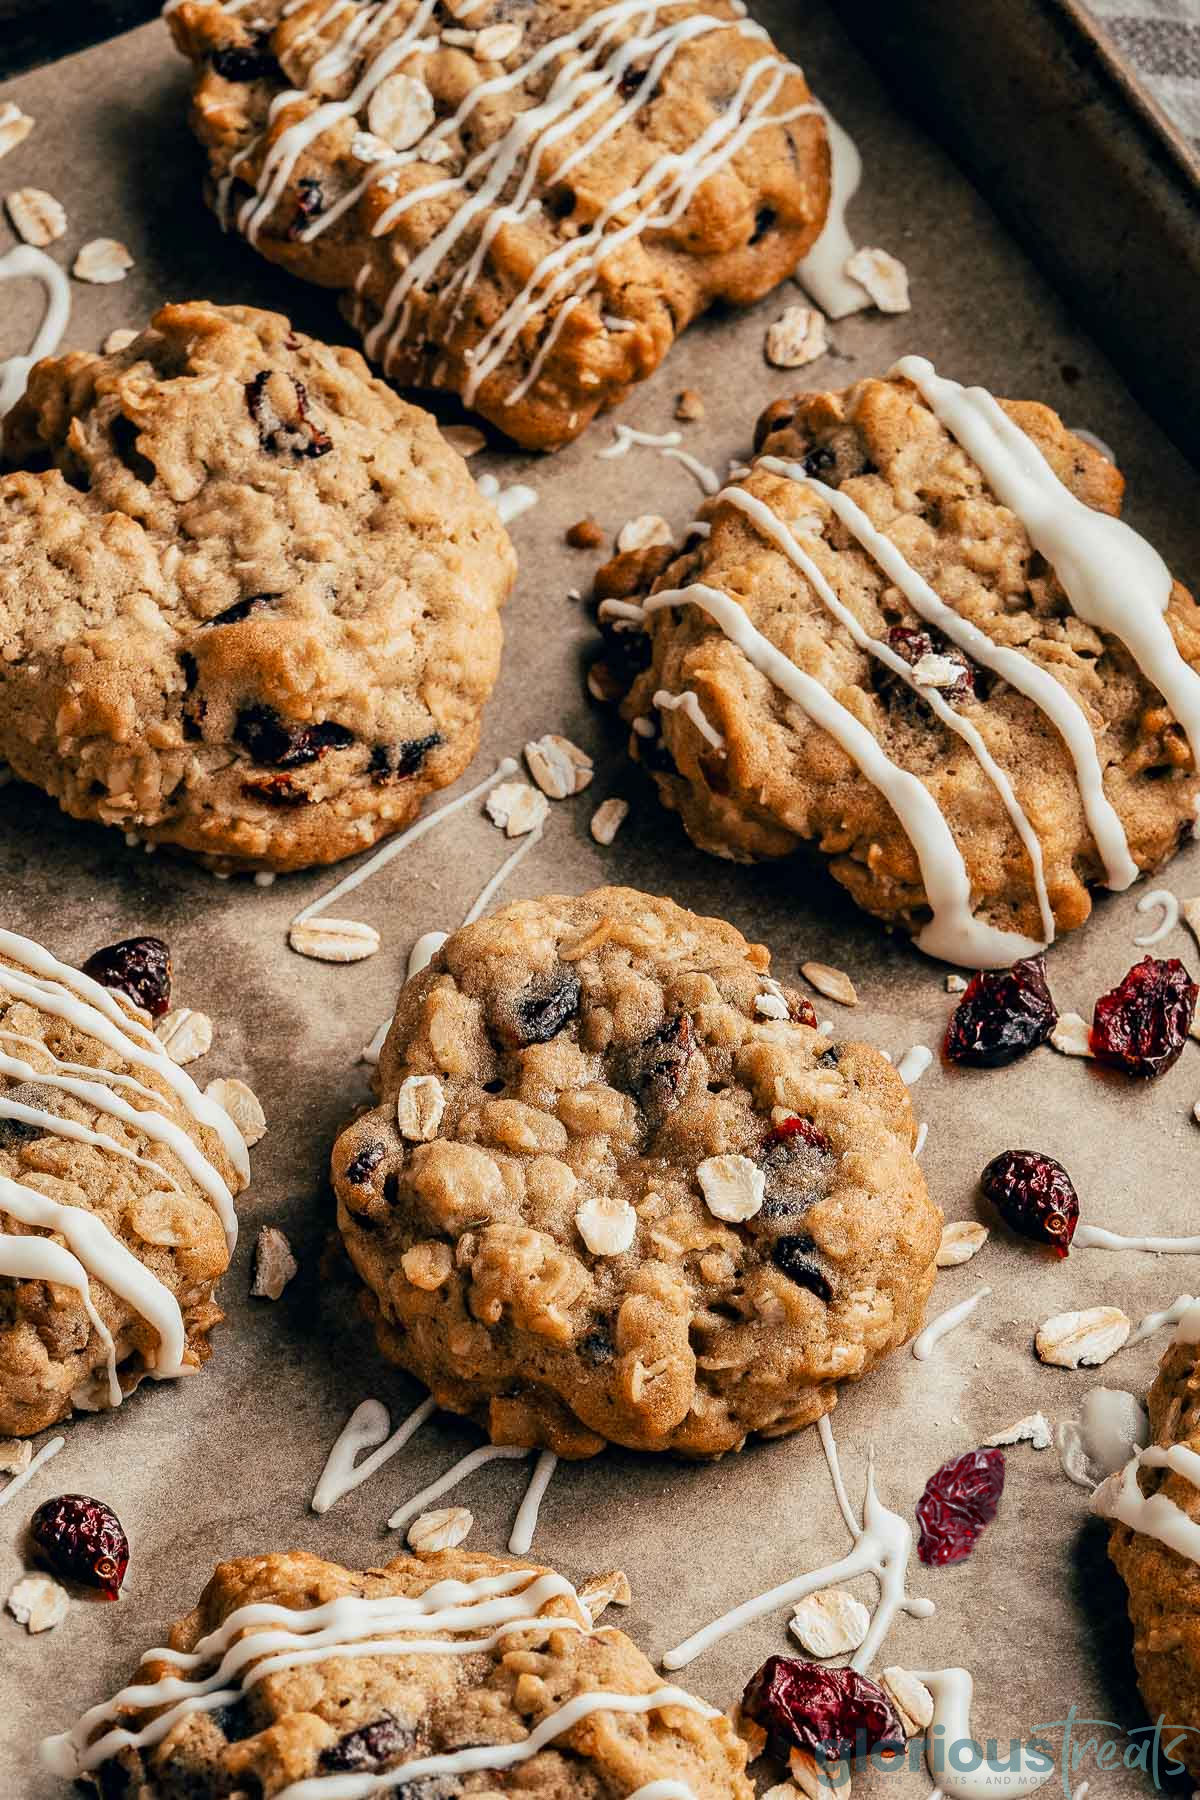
1160	39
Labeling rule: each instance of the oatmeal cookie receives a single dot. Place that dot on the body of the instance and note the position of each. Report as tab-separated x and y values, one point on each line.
1164	1584
117	1178
915	636
248	597
528	1696
619	1188
525	207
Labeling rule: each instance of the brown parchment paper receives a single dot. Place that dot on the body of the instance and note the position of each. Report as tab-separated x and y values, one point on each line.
224	1464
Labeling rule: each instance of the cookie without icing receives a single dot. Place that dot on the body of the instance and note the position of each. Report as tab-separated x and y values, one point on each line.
248	597
368	1715
524	206
569	1073
767	777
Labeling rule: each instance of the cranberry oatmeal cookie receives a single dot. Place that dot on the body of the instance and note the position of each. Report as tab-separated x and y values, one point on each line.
1154	1504
249	597
619	1187
916	636
117	1178
527	1696
524	205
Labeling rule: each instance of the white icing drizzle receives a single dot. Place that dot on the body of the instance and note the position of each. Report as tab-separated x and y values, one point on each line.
1110	1427
424	951
1095	1237
927	1341
466	1465
22	262
525	1524
689	705
1188	1329
1158	1321
1098	443
1165	900
882	1547
491	888
368	1425
953	1691
1154	1515
922	1134
380	858
625	437
705	476
953	934
822	273
1115	581
12	1488
663	1790
510	502
913	1064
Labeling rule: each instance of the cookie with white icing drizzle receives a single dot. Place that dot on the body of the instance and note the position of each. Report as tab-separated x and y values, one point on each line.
117	1185
923	644
620	1187
249	598
523	207
444	1674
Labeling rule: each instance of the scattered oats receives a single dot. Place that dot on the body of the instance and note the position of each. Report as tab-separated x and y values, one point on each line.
15	127
440	1530
608	819
1071	1035
419	1108
1034	1430
38	1603
516	807
782	1790
559	767
120	339
37	217
885	278
101	261
458	40
819	1781
734	1187
365	147
400	110
184	1034
607	1224
496	42
771	1004
274	1264
16	1454
1082	1340
935	671
961	1238
689	405
601	1591
912	1699
333	940
835	984
585	534
643	532
468	440
242	1105
956	984
797	337
830	1622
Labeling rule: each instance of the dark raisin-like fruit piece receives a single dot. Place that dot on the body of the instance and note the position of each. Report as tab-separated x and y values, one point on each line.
658	1066
630	81
83	1540
282	417
310	198
1003	1014
827	1713
234	1721
1034	1195
244	62
796	1160
369	1749
597	1347
792	1254
765	219
910	642
364	1164
139	968
818	461
276	744
545	1009
1142	1024
276	790
241	609
391	762
959	1500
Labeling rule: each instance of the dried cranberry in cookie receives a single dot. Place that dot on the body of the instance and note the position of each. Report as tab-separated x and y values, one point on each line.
279	624
644	1211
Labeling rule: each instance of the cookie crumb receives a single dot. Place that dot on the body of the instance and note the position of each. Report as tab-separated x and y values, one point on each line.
516	808
274	1264
603	1590
689	406
797	337
242	1104
36	216
608	819
38	1603
835	984
585	534
102	261
883	276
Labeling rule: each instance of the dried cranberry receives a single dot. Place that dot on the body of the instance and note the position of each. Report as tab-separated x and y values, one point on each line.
310	198
597	1346
630	81
276	744
371	1748
84	1540
765	219
391	762
959	1500
364	1164
244	62
277	790
1142	1024
543	1012
818	461
1003	1014
828	1713
791	1254
1034	1195
139	968
656	1067
910	642
283	421
241	609
788	1131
